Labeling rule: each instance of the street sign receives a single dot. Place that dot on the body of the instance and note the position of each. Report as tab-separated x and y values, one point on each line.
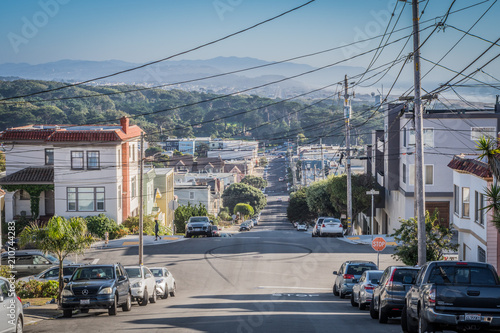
173	204
372	192
379	244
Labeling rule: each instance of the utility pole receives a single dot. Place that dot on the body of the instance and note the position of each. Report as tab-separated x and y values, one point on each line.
141	219
419	147
315	172
347	116
322	160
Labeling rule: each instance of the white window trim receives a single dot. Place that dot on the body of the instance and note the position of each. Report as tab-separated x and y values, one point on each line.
411	174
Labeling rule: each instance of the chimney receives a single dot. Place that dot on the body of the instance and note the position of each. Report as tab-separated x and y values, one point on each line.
124	122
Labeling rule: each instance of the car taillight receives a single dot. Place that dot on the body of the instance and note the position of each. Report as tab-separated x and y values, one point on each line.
340	225
369	287
389	282
462	263
348	276
432	297
323	225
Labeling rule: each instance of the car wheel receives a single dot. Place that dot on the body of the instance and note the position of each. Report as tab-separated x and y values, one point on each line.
373	312
411	324
128	304
382	314
19	325
165	294
335	291
67	313
84	310
172	293
424	325
354	304
113	309
144	300
153	299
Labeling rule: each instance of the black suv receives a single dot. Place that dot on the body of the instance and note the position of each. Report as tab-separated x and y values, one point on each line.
389	296
97	287
349	274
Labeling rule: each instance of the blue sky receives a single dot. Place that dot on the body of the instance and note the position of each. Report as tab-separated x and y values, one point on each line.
140	31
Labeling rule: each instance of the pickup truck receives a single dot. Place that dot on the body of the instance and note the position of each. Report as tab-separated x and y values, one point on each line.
453	295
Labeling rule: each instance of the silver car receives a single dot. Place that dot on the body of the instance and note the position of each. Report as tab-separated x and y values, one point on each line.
11	308
362	292
165	282
143	284
52	273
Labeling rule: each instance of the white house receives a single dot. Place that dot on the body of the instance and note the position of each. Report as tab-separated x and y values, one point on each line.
84	170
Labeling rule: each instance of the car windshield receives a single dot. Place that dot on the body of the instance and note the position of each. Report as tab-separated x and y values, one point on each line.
51	257
133	272
375	275
198	219
157	272
358	269
93	273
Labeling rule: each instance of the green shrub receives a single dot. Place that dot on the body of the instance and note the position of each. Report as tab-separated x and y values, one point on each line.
224	216
36	289
119	233
132	223
98	225
5	271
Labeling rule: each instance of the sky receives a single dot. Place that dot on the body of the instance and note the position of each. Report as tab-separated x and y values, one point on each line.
141	31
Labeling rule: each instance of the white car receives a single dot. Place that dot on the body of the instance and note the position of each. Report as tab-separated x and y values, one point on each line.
142	283
11	308
301	226
165	282
331	227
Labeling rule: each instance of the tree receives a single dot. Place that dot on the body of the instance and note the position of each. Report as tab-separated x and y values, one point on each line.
438	240
153	150
245	210
337	189
243	193
183	213
263	161
61	237
2	161
297	209
255	181
318	199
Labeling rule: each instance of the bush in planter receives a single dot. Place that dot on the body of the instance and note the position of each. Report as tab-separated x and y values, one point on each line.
50	289
132	223
36	289
98	225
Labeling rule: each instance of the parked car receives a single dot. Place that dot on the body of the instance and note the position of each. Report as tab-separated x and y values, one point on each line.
198	226
317	226
244	227
280	199
11	309
295	224
52	273
389	295
348	274
255	221
142	283
301	226
331	227
215	231
453	295
165	282
250	223
97	287
362	292
281	179
30	262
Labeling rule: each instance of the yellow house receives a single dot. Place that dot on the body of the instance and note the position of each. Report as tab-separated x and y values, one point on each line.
163	196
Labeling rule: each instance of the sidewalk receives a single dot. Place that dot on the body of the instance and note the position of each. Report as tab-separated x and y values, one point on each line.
367	239
133	240
33	314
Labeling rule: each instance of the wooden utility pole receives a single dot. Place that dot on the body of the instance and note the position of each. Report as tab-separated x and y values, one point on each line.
419	147
322	160
141	218
347	116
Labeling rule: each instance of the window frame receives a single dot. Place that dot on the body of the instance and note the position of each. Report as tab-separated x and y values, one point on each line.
465	202
133	187
411	174
47	156
98	198
73	158
89	166
456	199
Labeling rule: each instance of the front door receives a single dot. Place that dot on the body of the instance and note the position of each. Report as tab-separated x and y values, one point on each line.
49	203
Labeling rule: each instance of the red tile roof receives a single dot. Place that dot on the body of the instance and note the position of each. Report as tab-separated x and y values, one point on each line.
471	166
26	134
61	136
40	175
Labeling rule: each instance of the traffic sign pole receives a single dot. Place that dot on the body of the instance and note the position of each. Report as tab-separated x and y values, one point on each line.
379	244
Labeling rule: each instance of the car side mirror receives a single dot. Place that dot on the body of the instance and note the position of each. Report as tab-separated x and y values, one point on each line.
148	276
335	273
122	278
66	280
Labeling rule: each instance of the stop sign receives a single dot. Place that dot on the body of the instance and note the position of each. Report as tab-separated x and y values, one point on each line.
379	244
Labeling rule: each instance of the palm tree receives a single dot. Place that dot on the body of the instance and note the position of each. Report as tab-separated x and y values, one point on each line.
61	237
490	151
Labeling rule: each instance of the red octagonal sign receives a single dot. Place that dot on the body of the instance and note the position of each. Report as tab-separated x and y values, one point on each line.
379	244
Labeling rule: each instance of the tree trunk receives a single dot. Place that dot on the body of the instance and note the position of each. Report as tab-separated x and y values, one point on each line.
61	280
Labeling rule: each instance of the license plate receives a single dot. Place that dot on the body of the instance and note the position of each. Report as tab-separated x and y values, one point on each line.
84	302
472	317
196	228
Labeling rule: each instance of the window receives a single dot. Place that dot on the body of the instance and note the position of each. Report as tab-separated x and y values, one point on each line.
404	136
49	156
481	254
93	160
134	187
85	199
477	132
478	208
119	159
456	199
23	195
77	160
191	195
465	202
428	137
404	173
428	174
119	197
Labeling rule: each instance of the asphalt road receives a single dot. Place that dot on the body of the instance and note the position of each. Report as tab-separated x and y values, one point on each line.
270	279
